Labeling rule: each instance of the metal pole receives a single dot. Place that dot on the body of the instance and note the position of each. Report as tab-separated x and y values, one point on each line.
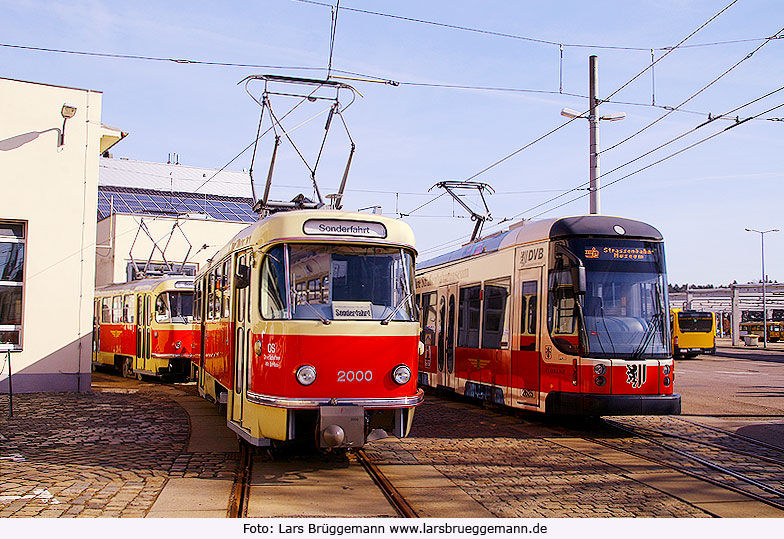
593	128
10	389
764	310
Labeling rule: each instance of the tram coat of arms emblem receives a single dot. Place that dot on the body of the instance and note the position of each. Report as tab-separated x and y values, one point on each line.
636	374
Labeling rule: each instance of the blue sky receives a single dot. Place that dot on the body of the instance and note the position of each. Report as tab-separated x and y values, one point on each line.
409	137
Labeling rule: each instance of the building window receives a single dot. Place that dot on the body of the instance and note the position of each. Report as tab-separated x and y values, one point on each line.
12	250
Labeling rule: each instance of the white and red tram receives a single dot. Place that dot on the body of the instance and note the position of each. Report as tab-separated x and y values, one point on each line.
309	331
564	316
145	327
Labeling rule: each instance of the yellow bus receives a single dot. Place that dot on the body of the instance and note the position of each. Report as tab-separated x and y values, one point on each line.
775	330
693	333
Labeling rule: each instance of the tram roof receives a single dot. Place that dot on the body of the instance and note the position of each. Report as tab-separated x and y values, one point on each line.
290	226
147	284
562	227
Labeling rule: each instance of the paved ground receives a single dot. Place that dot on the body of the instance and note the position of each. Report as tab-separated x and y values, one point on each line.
132	449
520	469
109	453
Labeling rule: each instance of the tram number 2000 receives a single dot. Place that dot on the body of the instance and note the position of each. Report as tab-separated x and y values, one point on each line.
355	376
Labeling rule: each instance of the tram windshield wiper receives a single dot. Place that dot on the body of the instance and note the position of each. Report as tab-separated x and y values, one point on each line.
386	320
324	320
650	331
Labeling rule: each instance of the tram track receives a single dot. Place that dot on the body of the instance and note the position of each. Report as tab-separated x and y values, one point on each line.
396	500
760	477
240	490
239	500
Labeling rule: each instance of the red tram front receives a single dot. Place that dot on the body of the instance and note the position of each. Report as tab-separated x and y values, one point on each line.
145	327
308	329
564	316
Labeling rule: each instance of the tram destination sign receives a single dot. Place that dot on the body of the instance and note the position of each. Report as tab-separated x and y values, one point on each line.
340	227
642	254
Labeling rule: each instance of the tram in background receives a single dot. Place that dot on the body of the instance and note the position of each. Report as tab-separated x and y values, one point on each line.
145	327
693	333
775	330
308	329
563	316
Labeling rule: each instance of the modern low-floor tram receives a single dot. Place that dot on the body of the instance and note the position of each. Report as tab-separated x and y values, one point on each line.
145	327
308	329
564	316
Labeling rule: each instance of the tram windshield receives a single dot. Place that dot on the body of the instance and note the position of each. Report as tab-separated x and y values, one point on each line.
617	310
174	307
337	282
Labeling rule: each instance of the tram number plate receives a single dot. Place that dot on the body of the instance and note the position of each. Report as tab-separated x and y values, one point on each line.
355	376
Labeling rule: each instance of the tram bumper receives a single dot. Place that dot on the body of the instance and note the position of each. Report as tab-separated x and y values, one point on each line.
560	403
341	426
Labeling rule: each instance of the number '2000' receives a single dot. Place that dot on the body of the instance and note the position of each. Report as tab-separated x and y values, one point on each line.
355	376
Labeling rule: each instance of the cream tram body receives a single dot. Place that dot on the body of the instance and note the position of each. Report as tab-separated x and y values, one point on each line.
308	329
564	316
145	327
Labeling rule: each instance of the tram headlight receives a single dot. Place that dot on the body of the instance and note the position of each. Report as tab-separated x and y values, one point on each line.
600	381
401	374
666	370
177	345
599	369
306	375
666	382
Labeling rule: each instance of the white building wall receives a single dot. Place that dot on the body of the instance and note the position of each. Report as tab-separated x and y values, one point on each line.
54	191
116	236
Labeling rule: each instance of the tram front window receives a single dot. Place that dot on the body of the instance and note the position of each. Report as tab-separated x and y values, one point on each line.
339	282
174	307
621	312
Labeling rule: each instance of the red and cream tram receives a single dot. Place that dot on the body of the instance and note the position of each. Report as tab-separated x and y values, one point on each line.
145	327
564	316
308	329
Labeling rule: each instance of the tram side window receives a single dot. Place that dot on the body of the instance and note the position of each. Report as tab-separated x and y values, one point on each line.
128	314
211	296
116	309
468	317
106	311
529	312
197	300
273	284
162	312
494	332
429	318
217	297
561	312
225	286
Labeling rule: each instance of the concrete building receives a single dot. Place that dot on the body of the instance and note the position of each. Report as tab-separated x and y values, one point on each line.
50	140
161	217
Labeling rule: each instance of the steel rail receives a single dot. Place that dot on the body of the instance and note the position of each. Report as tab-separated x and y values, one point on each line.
396	500
706	463
240	489
735	435
745	453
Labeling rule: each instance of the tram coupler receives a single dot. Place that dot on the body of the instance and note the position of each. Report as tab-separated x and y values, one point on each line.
341	426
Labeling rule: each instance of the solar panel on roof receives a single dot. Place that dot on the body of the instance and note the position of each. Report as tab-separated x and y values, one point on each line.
137	201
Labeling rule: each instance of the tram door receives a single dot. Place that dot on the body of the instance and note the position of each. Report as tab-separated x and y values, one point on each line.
142	331
241	318
96	329
447	314
526	358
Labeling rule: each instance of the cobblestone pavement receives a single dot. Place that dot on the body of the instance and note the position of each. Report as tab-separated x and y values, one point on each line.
516	469
102	454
